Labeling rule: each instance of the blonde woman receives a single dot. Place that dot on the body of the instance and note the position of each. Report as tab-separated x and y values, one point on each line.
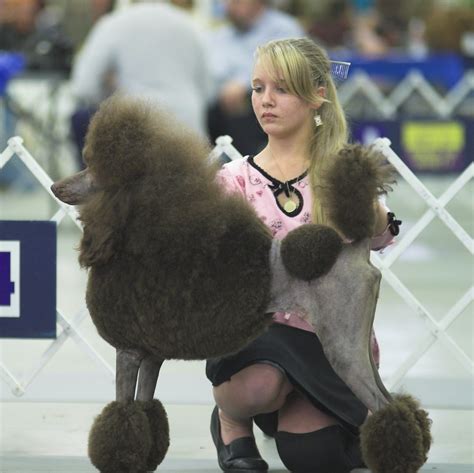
282	380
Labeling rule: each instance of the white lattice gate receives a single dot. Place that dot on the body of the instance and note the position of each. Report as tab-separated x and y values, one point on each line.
436	330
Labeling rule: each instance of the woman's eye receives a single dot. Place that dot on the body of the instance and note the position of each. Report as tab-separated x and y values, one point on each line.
257	88
281	90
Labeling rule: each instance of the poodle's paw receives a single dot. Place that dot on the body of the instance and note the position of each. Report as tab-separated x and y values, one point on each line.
120	439
396	439
310	251
160	432
421	416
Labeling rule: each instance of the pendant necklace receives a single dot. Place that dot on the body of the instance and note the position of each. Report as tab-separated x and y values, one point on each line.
290	205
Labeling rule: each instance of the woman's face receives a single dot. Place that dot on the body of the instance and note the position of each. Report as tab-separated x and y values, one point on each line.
278	112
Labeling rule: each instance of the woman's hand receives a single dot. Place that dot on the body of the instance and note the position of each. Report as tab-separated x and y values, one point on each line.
381	219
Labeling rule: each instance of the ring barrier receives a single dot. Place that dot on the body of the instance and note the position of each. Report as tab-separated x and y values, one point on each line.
362	85
68	325
437	330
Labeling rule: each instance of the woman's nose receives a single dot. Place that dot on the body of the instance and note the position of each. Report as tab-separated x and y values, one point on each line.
268	99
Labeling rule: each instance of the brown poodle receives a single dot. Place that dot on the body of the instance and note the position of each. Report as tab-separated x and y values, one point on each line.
180	269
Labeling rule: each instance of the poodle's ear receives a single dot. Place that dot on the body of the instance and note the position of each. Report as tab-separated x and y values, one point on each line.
357	176
104	218
97	246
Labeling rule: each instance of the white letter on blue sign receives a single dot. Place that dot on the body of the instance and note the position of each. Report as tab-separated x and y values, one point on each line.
9	279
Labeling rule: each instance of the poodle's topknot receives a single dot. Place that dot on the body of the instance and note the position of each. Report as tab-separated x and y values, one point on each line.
356	175
125	136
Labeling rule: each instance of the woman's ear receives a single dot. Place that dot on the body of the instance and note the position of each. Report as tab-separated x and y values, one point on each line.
320	92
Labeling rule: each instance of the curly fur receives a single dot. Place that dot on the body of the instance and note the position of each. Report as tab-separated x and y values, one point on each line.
169	252
160	432
309	251
353	181
120	439
396	439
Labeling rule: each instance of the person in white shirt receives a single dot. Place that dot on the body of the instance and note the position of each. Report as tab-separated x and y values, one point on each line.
150	50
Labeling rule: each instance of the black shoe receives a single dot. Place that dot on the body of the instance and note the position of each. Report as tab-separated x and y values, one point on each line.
240	456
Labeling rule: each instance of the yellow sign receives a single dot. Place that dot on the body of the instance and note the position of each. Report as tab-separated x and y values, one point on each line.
433	145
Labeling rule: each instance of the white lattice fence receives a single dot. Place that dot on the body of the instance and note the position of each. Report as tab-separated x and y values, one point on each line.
68	324
442	106
436	330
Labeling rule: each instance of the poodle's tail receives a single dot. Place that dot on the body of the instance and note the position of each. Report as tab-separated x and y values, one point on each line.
310	251
356	178
397	438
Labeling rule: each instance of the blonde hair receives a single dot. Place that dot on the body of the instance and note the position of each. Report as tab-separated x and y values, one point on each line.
304	67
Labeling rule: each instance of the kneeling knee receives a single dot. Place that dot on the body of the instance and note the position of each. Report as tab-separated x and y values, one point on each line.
265	389
324	451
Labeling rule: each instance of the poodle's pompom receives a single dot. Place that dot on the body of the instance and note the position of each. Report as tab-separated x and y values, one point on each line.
120	439
160	432
309	251
126	137
353	181
396	439
424	422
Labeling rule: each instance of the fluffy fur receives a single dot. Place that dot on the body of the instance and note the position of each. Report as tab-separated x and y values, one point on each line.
309	251
397	438
120	437
356	175
159	429
169	252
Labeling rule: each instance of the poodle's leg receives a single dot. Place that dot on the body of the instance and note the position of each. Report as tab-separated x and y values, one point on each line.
120	440
154	410
75	189
148	376
127	364
341	306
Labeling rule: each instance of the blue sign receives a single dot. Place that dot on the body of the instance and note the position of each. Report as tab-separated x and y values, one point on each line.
27	279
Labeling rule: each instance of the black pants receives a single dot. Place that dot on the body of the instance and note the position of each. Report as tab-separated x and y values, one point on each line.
80	120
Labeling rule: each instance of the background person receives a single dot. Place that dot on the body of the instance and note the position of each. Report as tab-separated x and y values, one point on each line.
151	50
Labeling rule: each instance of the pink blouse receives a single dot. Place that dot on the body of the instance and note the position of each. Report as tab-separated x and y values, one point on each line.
244	176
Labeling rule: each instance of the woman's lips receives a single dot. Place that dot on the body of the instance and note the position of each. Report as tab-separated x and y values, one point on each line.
269	116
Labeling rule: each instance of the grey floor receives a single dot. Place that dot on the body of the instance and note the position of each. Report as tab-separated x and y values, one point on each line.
52	437
46	429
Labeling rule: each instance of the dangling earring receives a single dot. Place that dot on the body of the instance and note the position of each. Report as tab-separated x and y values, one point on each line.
317	120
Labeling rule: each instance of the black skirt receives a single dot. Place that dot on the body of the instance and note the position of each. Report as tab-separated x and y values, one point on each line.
300	355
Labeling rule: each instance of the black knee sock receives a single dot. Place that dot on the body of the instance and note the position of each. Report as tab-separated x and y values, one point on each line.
267	423
329	450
